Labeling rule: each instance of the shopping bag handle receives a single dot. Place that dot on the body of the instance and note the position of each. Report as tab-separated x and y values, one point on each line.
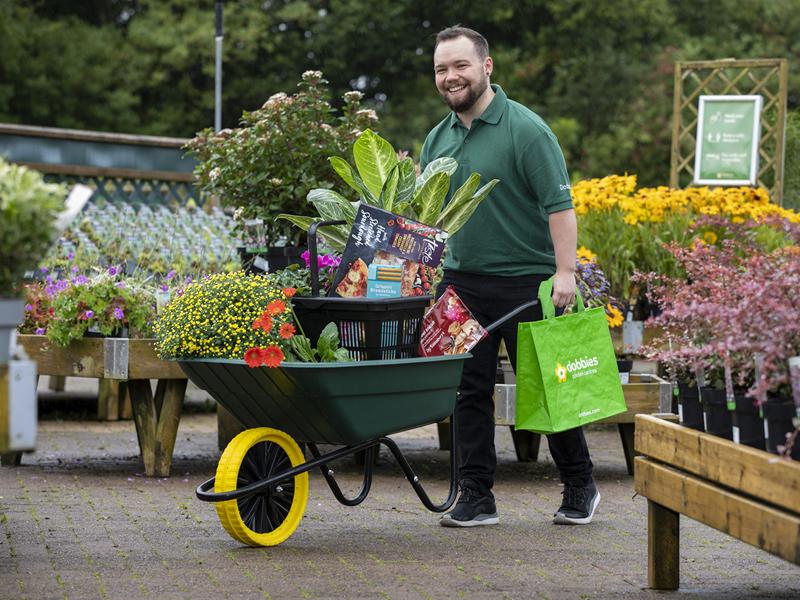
312	252
546	298
492	326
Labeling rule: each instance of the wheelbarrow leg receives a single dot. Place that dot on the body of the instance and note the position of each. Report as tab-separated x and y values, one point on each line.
368	455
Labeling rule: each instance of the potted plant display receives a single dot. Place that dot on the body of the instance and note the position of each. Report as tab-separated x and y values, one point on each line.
28	211
270	162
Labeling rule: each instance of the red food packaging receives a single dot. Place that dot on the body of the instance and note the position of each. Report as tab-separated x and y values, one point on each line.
449	327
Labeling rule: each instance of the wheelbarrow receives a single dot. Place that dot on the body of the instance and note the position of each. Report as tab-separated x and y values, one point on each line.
261	484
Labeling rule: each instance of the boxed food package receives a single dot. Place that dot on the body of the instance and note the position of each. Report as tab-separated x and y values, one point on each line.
384	254
449	327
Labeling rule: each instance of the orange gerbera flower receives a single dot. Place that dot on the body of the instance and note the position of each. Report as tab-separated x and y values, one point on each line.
275	307
263	322
289	292
253	358
273	356
286	331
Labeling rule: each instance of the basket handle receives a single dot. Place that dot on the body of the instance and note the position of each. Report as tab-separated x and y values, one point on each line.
312	252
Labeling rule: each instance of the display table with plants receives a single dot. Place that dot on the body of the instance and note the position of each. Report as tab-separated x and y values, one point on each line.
746	493
134	363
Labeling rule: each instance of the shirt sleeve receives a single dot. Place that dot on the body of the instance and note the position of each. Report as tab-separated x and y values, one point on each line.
542	164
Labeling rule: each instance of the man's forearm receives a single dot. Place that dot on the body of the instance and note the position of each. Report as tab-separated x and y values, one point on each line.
564	232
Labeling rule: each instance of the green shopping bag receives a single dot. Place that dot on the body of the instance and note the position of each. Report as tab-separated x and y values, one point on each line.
566	369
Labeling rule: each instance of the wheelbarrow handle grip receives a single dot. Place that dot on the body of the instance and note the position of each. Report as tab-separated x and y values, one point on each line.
491	327
312	252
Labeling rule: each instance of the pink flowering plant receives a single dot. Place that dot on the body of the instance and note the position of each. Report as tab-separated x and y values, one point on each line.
104	304
736	301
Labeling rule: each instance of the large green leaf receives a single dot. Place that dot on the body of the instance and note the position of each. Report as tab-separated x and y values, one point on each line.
440	165
389	191
430	197
458	212
351	178
408	180
335	235
333	203
375	158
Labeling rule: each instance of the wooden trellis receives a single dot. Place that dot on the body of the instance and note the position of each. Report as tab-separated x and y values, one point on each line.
767	77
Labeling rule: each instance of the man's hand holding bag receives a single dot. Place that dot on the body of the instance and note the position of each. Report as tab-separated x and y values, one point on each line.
566	369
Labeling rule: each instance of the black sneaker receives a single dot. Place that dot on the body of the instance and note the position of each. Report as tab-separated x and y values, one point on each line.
578	505
472	509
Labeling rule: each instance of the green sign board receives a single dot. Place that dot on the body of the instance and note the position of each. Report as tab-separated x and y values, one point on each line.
728	133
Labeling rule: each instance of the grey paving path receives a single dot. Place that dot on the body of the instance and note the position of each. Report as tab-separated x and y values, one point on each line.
78	520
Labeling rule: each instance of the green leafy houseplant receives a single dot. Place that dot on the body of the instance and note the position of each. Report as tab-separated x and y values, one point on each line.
381	179
28	210
279	153
103	304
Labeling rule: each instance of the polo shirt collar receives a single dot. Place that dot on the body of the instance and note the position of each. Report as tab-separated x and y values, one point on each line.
492	113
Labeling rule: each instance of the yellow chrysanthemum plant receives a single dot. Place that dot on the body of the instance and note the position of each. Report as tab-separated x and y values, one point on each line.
228	315
627	227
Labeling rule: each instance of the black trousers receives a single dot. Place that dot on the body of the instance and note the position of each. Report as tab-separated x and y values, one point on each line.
489	298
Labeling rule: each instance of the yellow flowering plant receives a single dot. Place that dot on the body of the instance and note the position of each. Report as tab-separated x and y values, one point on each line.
628	227
226	315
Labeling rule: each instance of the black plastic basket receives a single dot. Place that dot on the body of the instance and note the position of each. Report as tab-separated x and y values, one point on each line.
370	328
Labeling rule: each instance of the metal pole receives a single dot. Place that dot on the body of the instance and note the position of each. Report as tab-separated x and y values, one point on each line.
218	69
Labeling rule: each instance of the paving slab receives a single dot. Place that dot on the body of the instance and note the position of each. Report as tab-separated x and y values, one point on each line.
79	520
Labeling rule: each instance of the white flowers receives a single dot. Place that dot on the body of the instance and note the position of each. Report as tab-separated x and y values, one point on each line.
367	113
214	174
353	96
275	99
311	75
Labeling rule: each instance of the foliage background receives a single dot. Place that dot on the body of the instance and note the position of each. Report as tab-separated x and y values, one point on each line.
600	72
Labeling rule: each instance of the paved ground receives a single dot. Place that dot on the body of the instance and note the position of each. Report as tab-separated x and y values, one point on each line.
78	520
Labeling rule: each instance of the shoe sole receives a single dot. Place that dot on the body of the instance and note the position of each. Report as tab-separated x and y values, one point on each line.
447	521
562	519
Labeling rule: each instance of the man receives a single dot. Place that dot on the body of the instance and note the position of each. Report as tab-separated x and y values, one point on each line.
524	233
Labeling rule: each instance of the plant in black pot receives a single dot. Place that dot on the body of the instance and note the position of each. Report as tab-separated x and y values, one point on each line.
28	211
269	164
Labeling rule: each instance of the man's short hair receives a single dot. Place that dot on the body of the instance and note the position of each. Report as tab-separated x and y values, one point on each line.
457	31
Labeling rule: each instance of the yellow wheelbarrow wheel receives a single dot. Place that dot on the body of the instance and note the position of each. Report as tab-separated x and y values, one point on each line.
269	517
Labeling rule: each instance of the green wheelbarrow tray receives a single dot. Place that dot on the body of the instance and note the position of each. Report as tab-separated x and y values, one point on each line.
333	403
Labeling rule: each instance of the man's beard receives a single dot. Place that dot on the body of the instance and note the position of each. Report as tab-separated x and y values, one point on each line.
473	93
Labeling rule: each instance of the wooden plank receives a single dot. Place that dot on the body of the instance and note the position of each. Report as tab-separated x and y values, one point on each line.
663	547
82	358
771	529
753	472
89	171
726	63
674	155
640	398
108	400
92	136
626	433
143	362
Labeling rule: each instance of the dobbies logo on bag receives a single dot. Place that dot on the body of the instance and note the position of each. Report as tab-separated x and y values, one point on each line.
579	367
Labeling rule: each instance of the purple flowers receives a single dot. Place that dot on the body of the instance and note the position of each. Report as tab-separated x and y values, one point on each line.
324	261
112	270
40	331
171	274
28	307
119	314
88	314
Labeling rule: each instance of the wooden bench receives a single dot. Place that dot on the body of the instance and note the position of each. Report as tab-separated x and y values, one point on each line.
132	363
749	494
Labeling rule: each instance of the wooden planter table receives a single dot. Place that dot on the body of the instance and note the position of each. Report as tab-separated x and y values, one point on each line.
133	362
747	493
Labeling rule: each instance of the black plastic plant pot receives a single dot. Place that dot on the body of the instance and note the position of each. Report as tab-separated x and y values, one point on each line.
690	412
624	367
747	423
716	416
778	414
269	260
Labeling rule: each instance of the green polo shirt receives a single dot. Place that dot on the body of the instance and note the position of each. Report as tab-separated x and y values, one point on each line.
508	234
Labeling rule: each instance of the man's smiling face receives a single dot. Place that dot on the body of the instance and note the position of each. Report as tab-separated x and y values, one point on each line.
461	75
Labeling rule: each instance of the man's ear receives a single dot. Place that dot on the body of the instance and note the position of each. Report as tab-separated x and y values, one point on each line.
488	66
